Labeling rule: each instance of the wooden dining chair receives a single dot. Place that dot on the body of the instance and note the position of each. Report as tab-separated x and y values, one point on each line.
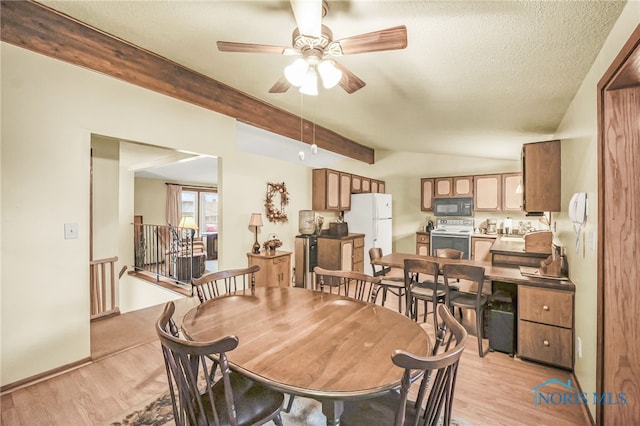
215	284
449	253
421	283
196	398
476	301
435	390
355	284
391	279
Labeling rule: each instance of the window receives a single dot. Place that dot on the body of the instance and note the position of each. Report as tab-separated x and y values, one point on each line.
202	205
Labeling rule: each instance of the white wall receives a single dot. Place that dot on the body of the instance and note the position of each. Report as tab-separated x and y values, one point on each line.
50	109
578	132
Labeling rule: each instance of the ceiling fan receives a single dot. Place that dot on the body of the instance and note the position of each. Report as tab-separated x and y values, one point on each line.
314	45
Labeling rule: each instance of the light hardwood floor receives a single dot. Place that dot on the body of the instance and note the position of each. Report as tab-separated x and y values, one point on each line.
494	390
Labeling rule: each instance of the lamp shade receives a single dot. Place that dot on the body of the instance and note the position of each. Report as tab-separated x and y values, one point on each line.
188	222
329	74
256	219
310	85
296	72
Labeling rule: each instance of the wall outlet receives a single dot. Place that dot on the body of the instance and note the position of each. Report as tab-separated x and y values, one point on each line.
70	231
579	347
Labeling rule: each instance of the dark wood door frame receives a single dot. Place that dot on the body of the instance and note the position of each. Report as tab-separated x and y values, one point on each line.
623	74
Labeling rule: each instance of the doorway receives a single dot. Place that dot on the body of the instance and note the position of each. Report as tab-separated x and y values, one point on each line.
618	358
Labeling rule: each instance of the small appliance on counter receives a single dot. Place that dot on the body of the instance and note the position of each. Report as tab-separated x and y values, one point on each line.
429	226
492	229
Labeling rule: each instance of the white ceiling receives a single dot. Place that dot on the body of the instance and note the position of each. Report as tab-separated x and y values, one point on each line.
478	78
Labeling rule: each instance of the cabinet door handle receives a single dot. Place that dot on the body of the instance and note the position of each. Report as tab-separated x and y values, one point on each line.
545	308
545	342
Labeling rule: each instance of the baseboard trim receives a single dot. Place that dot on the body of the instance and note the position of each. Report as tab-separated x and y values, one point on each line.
44	375
585	407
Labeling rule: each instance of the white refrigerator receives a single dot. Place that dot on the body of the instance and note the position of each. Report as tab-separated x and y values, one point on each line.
370	215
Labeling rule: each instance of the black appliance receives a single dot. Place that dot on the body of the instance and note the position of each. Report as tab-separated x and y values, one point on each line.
453	206
306	252
502	323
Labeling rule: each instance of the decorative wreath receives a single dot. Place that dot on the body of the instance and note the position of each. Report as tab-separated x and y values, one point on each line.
275	214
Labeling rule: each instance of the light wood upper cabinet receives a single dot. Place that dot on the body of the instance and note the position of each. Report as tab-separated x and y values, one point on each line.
541	176
381	187
331	190
374	186
356	184
366	184
426	197
443	187
459	186
487	193
511	198
463	186
345	191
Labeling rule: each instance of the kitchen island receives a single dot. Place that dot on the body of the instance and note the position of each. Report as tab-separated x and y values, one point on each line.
544	307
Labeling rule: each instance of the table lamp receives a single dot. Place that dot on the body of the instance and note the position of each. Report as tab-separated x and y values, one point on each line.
255	221
188	222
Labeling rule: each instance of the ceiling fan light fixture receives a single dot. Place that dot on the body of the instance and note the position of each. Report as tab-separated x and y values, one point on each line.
296	72
310	85
329	74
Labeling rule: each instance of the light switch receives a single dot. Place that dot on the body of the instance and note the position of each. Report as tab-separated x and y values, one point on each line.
70	231
591	240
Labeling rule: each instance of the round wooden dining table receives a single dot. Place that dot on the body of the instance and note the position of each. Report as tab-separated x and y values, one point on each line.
309	343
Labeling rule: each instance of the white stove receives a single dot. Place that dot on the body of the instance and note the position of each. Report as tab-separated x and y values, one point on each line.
452	233
454	227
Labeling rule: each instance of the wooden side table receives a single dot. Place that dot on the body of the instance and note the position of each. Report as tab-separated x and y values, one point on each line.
275	269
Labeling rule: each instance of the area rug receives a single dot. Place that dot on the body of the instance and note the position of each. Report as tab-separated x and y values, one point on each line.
304	412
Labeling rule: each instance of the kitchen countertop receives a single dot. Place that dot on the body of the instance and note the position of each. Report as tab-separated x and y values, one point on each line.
492	236
349	236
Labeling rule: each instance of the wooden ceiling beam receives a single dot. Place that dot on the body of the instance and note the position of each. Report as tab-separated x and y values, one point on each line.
35	27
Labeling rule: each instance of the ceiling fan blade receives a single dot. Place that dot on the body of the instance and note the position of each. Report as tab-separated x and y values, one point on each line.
308	14
281	86
390	39
230	46
349	81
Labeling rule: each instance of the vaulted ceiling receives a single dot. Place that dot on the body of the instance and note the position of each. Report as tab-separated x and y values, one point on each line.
477	78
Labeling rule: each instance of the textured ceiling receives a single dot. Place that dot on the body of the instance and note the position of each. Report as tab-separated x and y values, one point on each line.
478	78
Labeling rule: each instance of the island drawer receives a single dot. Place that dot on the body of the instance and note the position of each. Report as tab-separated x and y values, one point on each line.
545	343
546	306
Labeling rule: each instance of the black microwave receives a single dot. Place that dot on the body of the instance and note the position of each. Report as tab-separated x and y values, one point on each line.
453	206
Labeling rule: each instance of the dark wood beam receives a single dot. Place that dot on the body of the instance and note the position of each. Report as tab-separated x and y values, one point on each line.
35	27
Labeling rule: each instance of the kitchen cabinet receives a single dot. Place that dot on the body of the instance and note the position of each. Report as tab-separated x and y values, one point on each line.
366	185
481	248
275	270
427	186
511	196
541	177
545	325
463	186
345	191
377	186
459	186
356	184
341	253
422	244
331	190
443	187
487	194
